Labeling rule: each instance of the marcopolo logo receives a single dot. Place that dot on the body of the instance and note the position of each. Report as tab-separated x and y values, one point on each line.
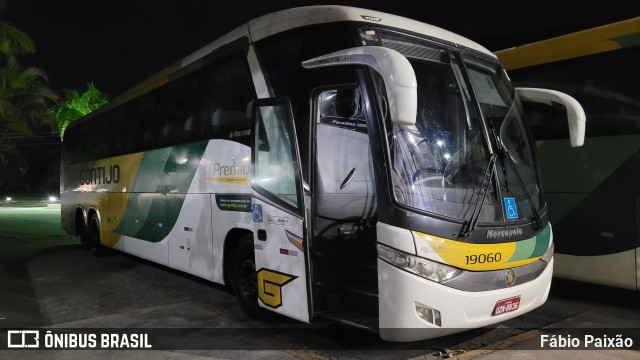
499	234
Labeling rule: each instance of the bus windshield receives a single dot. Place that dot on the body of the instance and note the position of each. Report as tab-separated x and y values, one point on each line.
502	111
439	164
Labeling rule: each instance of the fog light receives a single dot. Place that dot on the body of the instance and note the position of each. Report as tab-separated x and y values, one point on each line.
428	314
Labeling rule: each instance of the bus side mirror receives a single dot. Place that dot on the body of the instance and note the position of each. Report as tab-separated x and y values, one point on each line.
575	114
397	72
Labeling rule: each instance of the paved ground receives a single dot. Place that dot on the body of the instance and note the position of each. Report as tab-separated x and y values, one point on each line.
47	280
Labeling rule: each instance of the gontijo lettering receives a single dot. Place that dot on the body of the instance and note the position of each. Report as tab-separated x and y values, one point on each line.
100	175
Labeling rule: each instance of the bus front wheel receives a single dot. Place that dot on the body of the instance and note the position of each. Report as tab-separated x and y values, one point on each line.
244	279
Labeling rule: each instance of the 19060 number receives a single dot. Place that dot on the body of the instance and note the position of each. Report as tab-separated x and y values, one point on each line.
483	258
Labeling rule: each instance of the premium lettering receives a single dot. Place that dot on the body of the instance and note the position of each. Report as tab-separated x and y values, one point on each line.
231	170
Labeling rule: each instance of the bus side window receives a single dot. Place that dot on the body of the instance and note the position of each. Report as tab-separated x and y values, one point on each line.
225	123
228	88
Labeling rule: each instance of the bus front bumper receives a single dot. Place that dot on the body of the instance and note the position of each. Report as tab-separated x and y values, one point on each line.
400	292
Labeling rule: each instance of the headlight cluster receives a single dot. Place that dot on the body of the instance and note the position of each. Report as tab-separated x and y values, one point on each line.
549	254
427	269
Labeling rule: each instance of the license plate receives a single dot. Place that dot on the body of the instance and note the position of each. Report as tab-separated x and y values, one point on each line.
506	305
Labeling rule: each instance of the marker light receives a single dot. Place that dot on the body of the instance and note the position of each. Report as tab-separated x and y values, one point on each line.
549	254
427	269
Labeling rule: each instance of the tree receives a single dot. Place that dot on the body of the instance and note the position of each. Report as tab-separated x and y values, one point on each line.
76	105
14	41
25	123
24	92
24	100
24	97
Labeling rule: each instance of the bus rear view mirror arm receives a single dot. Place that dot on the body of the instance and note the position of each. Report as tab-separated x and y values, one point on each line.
575	113
395	69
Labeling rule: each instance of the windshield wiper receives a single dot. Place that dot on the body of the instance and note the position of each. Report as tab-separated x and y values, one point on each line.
470	226
504	154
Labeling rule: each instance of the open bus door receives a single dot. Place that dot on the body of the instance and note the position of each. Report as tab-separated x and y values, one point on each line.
278	211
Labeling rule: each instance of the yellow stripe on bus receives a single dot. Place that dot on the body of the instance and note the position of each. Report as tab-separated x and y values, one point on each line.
151	83
240	180
112	202
474	257
592	41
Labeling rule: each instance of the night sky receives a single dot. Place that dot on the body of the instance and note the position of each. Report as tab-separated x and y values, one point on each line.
117	43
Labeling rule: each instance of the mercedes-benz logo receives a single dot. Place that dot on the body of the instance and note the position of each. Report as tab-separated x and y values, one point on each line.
509	278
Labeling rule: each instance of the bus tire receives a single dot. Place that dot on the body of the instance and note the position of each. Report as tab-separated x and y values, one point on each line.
83	231
244	279
93	237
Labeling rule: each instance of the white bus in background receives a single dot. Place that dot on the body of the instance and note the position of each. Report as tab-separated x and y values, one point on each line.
328	163
595	210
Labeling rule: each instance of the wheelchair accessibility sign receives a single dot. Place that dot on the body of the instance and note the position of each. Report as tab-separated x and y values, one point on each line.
257	212
510	208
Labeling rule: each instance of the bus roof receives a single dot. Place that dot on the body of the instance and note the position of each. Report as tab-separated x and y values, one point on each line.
280	21
274	23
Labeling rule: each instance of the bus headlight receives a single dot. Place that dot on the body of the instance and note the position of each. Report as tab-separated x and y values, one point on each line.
549	254
427	269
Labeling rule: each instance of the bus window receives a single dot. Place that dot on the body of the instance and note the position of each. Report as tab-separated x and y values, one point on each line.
228	94
274	165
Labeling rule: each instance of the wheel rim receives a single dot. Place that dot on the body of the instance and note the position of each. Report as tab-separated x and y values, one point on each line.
248	280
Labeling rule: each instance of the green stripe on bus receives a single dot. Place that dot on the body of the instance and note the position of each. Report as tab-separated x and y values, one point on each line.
146	216
147	181
524	249
533	247
542	242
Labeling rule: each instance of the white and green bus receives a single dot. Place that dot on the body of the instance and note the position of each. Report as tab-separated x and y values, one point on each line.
593	192
328	163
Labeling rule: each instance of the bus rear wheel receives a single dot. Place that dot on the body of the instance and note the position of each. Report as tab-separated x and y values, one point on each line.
83	230
244	279
93	236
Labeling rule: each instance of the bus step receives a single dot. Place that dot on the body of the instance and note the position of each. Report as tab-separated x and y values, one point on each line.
354	319
362	289
362	297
